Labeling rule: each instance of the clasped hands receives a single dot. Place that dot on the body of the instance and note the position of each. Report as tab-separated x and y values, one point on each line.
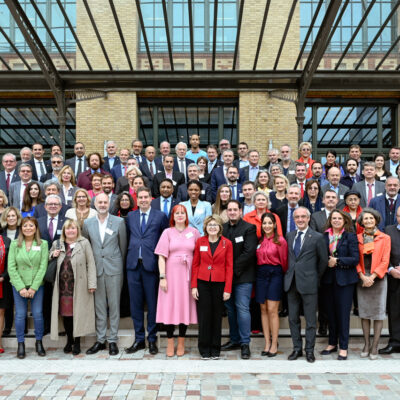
27	293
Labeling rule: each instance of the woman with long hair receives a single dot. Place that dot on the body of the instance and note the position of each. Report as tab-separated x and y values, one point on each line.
263	182
272	264
81	209
123	205
32	197
381	173
3	202
68	185
224	194
312	199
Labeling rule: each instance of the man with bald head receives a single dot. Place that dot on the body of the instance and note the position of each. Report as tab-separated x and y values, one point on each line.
107	235
148	165
335	185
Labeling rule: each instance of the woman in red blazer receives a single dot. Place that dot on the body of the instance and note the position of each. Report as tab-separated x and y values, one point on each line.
212	272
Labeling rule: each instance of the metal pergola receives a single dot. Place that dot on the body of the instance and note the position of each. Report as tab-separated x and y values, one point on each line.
306	75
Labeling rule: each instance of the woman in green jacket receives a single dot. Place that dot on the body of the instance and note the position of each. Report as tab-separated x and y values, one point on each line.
27	264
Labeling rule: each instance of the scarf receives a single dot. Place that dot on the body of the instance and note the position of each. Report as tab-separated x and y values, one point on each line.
333	240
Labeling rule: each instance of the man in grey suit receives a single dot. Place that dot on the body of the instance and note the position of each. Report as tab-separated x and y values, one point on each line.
9	175
369	188
319	218
334	184
79	162
308	258
17	189
107	235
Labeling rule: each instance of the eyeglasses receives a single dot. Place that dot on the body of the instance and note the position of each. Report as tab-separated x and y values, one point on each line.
81	197
212	226
56	162
53	204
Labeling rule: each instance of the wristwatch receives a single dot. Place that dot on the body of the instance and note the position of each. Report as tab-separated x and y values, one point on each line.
162	276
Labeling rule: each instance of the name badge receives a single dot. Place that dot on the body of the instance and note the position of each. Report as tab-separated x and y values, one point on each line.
174	183
241	195
379	194
35	248
258	246
69	198
200	211
109	231
59	231
341	197
203	248
203	192
189	235
291	171
72	245
239	239
201	176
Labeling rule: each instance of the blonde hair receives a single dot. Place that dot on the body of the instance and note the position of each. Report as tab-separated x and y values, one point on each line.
4	197
74	204
133	168
3	219
67	224
215	218
281	176
63	169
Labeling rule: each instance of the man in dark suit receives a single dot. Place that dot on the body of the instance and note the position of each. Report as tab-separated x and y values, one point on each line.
193	175
165	150
244	240
334	184
243	153
388	204
317	171
176	177
250	172
393	162
17	189
300	173
9	174
393	298
148	166
79	162
355	153
145	227
165	202
95	163
218	176
213	160
107	185
137	147
319	218
120	168
39	166
50	187
181	163
233	179
50	227
122	181
351	176
57	163
111	159
285	212
369	187
307	260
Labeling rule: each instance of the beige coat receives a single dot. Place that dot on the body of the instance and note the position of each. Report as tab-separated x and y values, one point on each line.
84	269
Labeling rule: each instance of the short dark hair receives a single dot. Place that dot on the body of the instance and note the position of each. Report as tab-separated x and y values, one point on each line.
167	180
351	159
249	183
195	182
239	204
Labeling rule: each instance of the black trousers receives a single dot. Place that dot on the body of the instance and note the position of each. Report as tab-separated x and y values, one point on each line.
393	302
210	307
171	328
47	300
338	306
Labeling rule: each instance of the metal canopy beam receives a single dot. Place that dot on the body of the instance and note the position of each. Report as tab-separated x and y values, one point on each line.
260	38
240	17
313	60
143	29
171	58
205	80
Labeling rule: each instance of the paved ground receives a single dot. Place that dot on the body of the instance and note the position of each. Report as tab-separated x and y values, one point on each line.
60	376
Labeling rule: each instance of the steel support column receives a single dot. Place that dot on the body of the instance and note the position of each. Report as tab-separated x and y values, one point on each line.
44	61
313	61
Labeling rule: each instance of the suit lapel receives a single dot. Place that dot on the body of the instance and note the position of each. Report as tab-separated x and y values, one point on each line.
108	228
149	219
306	240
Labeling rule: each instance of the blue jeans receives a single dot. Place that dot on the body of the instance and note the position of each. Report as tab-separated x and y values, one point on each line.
21	310
239	318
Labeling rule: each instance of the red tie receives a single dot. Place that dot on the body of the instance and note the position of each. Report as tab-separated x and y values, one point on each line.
302	189
8	181
369	193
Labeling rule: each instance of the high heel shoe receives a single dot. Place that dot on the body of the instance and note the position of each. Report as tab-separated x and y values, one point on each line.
21	350
270	354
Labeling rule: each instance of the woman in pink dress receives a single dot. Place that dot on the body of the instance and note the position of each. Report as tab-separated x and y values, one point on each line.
175	305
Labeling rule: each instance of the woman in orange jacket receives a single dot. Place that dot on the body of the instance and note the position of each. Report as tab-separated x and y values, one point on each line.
374	247
212	273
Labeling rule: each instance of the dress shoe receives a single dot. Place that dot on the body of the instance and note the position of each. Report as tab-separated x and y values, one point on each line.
153	349
6	332
21	350
295	354
76	348
113	349
39	348
135	347
341	358
310	356
389	350
245	351
283	313
272	354
230	346
68	347
265	353
326	352
96	348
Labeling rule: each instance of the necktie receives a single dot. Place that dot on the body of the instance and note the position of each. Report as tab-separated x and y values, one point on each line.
292	224
369	193
391	205
124	168
302	189
42	170
354	179
79	170
210	167
8	181
183	169
138	159
166	207
297	244
51	230
233	192
143	225
151	169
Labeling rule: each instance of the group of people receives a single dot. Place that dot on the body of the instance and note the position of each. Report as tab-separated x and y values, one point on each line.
91	239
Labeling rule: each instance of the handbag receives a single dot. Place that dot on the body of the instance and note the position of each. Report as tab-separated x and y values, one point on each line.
50	275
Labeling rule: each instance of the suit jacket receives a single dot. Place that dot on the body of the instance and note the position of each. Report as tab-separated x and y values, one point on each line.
205	195
361	188
343	189
177	179
14	193
394	234
46	164
73	191
282	212
203	210
84	181
244	173
219	163
27	268
72	163
187	162
110	254
156	204
244	241
146	171
290	173
44	229
40	211
3	180
348	256
379	204
387	165
106	165
116	172
159	163
47	177
217	267
217	179
112	201
156	223
318	221
310	264
348	181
